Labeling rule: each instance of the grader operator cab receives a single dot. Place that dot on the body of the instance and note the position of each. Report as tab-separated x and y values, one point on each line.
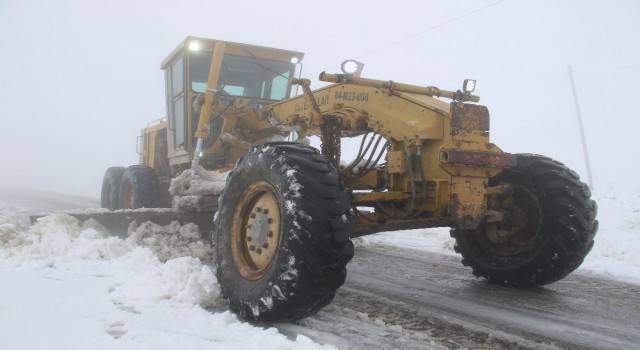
286	214
249	77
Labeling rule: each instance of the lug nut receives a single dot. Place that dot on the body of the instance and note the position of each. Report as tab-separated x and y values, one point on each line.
252	248
265	246
269	220
259	251
258	209
265	211
253	215
270	234
249	238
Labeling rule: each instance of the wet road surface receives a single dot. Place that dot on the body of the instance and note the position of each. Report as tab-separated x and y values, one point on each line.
403	299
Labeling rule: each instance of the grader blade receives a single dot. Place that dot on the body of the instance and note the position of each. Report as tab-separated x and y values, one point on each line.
119	221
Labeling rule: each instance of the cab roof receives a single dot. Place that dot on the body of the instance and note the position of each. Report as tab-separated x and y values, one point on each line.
233	48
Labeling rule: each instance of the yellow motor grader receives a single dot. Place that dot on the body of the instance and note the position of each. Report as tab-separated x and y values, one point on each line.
283	218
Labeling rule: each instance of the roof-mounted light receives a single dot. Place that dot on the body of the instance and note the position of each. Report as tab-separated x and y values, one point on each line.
469	85
194	46
352	67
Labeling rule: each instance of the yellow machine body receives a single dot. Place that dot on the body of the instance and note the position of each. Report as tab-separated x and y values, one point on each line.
438	157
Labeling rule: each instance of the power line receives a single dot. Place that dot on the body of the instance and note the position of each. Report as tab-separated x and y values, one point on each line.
429	29
522	81
561	74
607	68
580	127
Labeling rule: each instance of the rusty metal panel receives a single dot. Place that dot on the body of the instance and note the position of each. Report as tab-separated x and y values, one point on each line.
468	200
479	158
469	119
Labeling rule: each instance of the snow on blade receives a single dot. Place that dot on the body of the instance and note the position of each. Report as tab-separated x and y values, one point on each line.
187	190
204	183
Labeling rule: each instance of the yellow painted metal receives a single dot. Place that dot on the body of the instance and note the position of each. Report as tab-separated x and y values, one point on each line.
396	162
468	200
242	109
372	197
233	48
411	120
397	116
393	86
469	182
311	104
149	138
210	94
421	129
372	179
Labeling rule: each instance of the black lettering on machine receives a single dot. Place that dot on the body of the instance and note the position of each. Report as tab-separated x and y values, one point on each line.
352	96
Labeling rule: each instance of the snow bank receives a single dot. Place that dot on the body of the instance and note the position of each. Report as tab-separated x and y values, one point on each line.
69	284
435	240
171	241
60	238
76	287
616	252
61	235
9	225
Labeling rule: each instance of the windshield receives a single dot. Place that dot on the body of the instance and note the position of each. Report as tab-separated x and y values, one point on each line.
243	76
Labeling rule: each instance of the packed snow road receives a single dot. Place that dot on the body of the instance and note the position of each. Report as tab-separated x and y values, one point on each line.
406	299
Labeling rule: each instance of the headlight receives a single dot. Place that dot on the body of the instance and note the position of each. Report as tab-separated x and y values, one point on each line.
352	67
194	46
469	85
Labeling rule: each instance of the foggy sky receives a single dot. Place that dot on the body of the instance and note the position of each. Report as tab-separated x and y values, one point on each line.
80	79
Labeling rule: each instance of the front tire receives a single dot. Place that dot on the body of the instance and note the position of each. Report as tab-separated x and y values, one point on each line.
548	228
282	233
139	188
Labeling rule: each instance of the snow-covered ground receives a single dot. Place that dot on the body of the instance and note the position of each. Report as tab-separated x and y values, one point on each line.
71	285
615	254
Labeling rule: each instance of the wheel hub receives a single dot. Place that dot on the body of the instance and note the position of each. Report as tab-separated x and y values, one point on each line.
519	224
256	234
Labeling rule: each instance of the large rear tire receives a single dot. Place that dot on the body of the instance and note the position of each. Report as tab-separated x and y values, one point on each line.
282	233
548	228
111	188
139	188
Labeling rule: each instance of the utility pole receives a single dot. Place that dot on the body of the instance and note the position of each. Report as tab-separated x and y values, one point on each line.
582	136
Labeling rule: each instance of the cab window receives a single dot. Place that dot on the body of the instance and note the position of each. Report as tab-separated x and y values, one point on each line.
175	101
243	76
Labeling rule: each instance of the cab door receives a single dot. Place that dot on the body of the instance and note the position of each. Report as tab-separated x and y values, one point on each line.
175	97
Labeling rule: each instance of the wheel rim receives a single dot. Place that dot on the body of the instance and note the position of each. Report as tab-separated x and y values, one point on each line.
127	198
255	235
507	239
108	195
